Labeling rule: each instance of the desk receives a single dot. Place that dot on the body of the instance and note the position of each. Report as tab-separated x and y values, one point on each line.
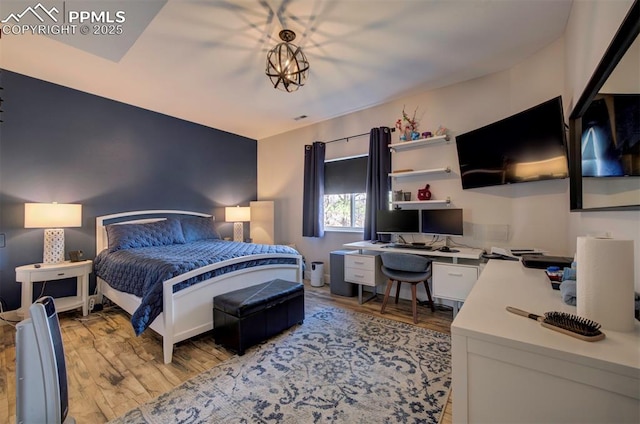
507	368
464	252
454	273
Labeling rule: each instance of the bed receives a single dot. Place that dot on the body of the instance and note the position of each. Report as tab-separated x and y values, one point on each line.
182	289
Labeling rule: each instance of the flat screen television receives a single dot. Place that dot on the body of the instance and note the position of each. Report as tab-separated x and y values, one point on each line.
397	221
442	222
528	146
610	140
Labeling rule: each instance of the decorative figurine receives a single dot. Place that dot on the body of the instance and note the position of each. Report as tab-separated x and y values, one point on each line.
408	126
424	193
442	130
427	134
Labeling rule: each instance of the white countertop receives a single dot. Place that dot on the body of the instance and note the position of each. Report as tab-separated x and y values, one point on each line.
508	283
463	252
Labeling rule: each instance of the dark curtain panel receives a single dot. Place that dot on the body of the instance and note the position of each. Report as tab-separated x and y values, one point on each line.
378	185
313	195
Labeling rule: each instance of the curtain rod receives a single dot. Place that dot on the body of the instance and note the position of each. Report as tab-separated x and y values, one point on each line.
353	136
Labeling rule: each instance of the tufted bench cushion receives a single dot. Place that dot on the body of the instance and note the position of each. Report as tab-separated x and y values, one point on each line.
245	317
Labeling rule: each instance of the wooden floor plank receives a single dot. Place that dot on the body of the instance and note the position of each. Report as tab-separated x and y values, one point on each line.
111	371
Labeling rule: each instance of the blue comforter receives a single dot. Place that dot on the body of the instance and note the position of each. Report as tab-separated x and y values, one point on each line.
141	271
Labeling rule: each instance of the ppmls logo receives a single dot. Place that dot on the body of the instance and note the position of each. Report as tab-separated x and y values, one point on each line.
33	11
43	20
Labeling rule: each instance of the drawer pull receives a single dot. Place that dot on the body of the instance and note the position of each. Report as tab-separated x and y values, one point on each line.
358	275
455	274
60	274
358	262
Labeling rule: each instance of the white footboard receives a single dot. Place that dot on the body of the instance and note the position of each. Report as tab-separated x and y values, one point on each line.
189	312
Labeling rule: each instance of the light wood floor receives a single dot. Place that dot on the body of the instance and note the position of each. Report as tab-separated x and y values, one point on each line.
111	371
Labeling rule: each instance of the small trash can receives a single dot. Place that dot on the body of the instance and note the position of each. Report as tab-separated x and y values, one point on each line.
317	274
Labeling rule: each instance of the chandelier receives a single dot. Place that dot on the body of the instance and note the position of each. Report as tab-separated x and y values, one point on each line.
287	66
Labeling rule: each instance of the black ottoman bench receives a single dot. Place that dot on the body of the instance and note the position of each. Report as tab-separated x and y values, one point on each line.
245	317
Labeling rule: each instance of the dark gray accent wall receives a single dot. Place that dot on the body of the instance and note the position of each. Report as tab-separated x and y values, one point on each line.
62	145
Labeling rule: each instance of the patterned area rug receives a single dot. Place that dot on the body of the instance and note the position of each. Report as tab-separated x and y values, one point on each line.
337	367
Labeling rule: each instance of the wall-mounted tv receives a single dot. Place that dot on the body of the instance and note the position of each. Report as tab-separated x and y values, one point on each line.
527	146
397	221
610	140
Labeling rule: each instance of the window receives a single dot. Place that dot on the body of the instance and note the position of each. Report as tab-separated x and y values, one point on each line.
345	197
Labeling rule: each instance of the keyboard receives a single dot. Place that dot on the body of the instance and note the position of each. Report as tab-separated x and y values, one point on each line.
412	246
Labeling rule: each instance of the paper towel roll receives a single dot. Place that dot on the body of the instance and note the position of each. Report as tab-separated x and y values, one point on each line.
605	282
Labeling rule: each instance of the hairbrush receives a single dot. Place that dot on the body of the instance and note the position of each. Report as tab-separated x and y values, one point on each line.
571	325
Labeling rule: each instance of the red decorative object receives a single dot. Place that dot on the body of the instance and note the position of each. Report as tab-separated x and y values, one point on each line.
424	193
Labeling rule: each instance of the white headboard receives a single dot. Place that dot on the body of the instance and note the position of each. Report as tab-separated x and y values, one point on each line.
133	217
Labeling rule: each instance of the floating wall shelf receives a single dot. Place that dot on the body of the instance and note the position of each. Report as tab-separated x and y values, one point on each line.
419	172
446	201
420	142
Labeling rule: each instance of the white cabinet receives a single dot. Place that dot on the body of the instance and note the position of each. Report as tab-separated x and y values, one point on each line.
453	281
364	270
510	369
262	222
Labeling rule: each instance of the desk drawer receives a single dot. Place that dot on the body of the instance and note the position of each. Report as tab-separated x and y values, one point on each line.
366	277
363	262
453	282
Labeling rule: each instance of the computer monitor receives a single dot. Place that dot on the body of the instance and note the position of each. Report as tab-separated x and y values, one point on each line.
397	221
442	222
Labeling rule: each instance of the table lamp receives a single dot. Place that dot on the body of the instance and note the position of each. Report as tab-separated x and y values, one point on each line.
53	217
238	215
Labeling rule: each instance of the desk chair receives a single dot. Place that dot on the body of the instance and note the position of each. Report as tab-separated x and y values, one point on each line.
403	267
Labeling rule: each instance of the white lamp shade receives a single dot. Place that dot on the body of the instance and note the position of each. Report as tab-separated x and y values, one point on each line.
237	214
52	215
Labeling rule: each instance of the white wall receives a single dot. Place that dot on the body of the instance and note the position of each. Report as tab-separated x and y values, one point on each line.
535	213
591	27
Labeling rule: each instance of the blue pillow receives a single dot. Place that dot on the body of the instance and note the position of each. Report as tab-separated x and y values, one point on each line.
199	228
160	233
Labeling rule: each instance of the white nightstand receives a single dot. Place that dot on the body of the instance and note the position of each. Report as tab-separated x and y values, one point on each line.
29	274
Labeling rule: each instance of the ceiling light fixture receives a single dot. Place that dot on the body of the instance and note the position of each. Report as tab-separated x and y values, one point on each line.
287	66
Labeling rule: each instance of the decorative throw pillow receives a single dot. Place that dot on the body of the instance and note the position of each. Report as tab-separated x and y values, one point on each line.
160	233
199	228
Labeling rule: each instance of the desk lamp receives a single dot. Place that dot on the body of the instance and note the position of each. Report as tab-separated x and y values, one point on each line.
238	215
54	217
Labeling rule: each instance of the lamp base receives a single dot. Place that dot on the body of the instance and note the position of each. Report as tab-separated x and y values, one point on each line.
53	246
238	231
